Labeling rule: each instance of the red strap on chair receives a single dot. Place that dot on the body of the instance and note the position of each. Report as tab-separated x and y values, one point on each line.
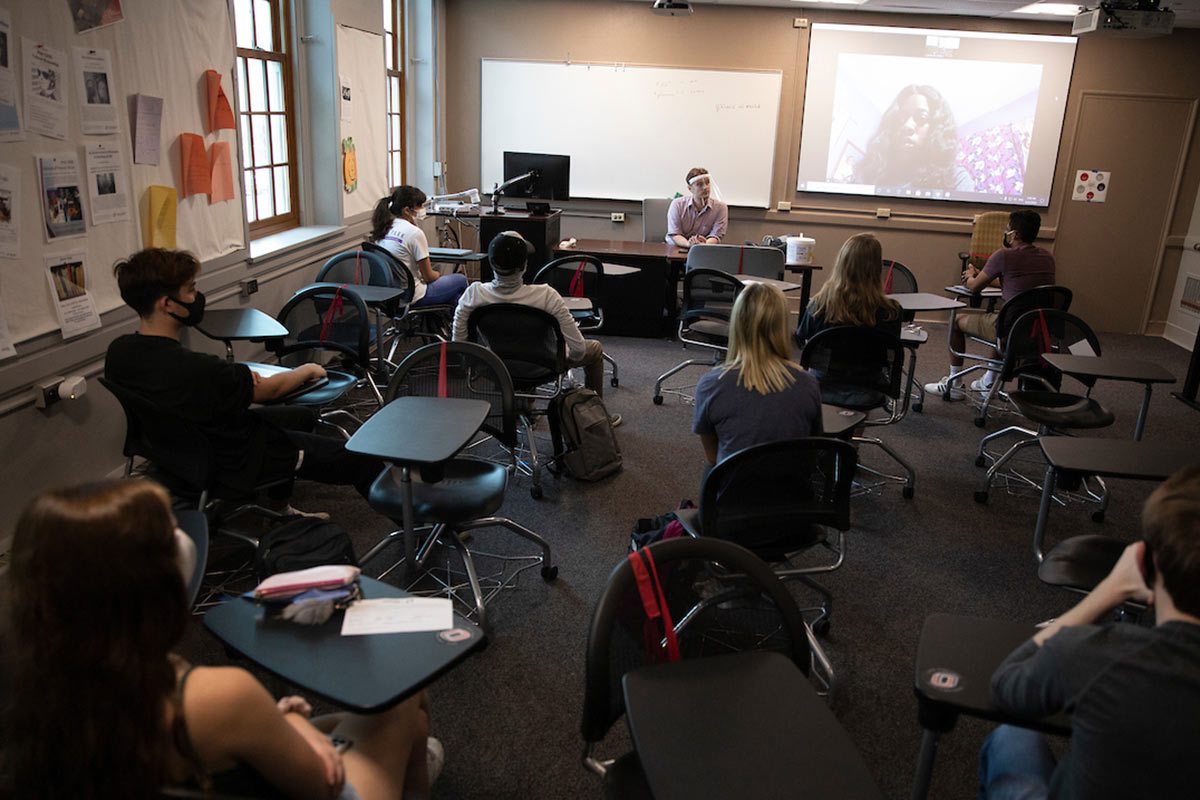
654	603
442	393
576	287
887	281
335	308
741	257
1041	333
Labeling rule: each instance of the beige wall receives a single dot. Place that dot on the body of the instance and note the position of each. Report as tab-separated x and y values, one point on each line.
921	234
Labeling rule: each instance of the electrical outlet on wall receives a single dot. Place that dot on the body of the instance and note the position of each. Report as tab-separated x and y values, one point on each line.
618	216
784	205
799	22
883	213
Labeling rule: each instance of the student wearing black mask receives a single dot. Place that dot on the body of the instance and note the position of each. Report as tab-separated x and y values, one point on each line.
250	446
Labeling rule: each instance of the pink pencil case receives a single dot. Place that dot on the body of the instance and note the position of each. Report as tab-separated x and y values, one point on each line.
290	584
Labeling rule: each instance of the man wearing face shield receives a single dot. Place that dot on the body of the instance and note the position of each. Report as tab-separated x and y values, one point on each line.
250	447
1019	265
699	217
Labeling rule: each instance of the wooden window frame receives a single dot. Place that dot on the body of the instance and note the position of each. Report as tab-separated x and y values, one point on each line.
398	58
281	32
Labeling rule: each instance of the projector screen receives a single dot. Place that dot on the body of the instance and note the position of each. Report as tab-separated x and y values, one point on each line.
936	114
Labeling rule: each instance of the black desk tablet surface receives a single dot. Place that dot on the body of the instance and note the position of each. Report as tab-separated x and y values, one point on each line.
742	726
1117	458
361	673
1110	368
924	301
233	324
371	295
419	430
269	370
836	420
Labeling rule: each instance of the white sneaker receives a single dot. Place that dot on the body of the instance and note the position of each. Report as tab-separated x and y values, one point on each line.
945	388
435	758
982	385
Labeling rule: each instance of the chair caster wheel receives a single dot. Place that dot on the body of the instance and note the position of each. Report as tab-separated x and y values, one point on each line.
549	573
821	627
535	492
658	399
614	383
1097	516
980	422
907	492
980	460
981	497
918	407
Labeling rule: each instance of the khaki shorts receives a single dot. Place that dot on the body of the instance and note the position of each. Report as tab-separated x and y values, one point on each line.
978	323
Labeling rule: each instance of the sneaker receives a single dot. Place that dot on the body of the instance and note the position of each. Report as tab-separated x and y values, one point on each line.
292	511
435	758
614	420
947	389
982	385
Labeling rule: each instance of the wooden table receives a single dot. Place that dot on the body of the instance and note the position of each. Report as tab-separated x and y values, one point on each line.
365	674
239	324
642	302
1114	369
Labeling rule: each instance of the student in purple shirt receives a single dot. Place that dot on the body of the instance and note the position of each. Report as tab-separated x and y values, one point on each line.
698	218
1020	265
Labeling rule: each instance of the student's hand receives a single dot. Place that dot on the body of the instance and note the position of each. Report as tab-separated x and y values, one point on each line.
313	372
697	239
294	703
1126	581
969	273
335	770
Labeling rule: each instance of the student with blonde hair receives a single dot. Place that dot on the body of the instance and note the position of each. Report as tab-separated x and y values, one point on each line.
759	394
853	294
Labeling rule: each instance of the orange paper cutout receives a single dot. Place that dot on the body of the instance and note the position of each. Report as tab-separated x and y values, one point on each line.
220	115
159	230
193	163
222	173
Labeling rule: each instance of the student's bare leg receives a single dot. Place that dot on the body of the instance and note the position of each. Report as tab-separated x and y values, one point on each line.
387	759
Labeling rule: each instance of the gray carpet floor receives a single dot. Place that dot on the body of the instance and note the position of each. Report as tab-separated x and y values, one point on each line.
509	716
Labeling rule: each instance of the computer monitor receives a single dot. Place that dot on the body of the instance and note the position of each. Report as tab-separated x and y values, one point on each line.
553	179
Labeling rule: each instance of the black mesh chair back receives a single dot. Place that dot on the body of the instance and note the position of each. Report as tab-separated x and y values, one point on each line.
400	276
857	368
573	276
361	266
528	341
324	319
722	599
179	452
750	260
897	278
1045	331
708	296
1054	297
769	497
471	372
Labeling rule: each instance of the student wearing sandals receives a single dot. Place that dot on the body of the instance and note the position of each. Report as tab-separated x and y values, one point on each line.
100	707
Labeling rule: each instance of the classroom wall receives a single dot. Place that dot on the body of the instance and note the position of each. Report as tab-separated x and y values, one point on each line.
924	235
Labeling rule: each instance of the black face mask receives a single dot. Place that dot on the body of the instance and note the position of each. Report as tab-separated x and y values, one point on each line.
1008	239
195	309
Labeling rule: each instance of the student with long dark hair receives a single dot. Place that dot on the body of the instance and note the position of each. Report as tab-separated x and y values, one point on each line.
395	226
915	145
99	707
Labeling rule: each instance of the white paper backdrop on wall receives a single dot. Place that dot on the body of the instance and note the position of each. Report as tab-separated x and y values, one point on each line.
360	60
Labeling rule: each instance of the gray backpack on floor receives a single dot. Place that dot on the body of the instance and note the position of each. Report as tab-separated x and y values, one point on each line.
590	447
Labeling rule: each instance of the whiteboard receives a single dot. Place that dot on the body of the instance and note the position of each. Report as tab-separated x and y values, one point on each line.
633	132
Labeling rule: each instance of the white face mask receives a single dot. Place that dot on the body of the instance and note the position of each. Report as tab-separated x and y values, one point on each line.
421	214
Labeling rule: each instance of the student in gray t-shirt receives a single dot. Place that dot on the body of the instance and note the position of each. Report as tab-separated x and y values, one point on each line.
1133	693
759	394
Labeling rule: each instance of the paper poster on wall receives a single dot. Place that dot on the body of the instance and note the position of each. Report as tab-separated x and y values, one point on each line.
61	198
91	14
147	129
68	285
97	92
220	115
10	113
10	205
45	89
1091	186
108	189
349	165
159	228
6	343
221	160
193	165
347	101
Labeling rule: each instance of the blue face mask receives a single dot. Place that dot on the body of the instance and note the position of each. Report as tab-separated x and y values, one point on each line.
195	309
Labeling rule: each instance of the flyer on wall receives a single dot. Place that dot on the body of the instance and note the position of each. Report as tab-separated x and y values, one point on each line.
6	343
10	203
61	199
68	285
91	14
97	92
10	113
108	190
45	89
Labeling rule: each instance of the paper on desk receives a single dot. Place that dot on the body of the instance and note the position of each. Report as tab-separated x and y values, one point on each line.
398	615
159	230
220	115
193	165
1081	348
221	163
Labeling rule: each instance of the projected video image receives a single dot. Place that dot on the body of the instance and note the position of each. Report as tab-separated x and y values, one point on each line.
942	115
958	125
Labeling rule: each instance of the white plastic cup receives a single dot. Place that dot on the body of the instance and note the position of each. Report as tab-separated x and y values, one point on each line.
799	249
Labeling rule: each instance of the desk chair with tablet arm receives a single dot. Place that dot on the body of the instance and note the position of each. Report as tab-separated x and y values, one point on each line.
430	323
736	259
708	296
580	280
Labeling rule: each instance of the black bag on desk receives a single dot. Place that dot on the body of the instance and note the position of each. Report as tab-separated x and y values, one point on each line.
302	543
590	449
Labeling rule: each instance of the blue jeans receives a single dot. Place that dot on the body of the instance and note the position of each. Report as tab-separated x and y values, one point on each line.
445	291
1015	764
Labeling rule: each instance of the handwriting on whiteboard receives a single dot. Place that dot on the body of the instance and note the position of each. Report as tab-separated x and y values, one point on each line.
738	107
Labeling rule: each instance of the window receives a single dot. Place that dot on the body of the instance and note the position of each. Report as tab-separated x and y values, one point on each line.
393	42
264	87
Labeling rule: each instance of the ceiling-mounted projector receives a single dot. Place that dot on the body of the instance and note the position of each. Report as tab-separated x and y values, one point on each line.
672	8
1134	19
